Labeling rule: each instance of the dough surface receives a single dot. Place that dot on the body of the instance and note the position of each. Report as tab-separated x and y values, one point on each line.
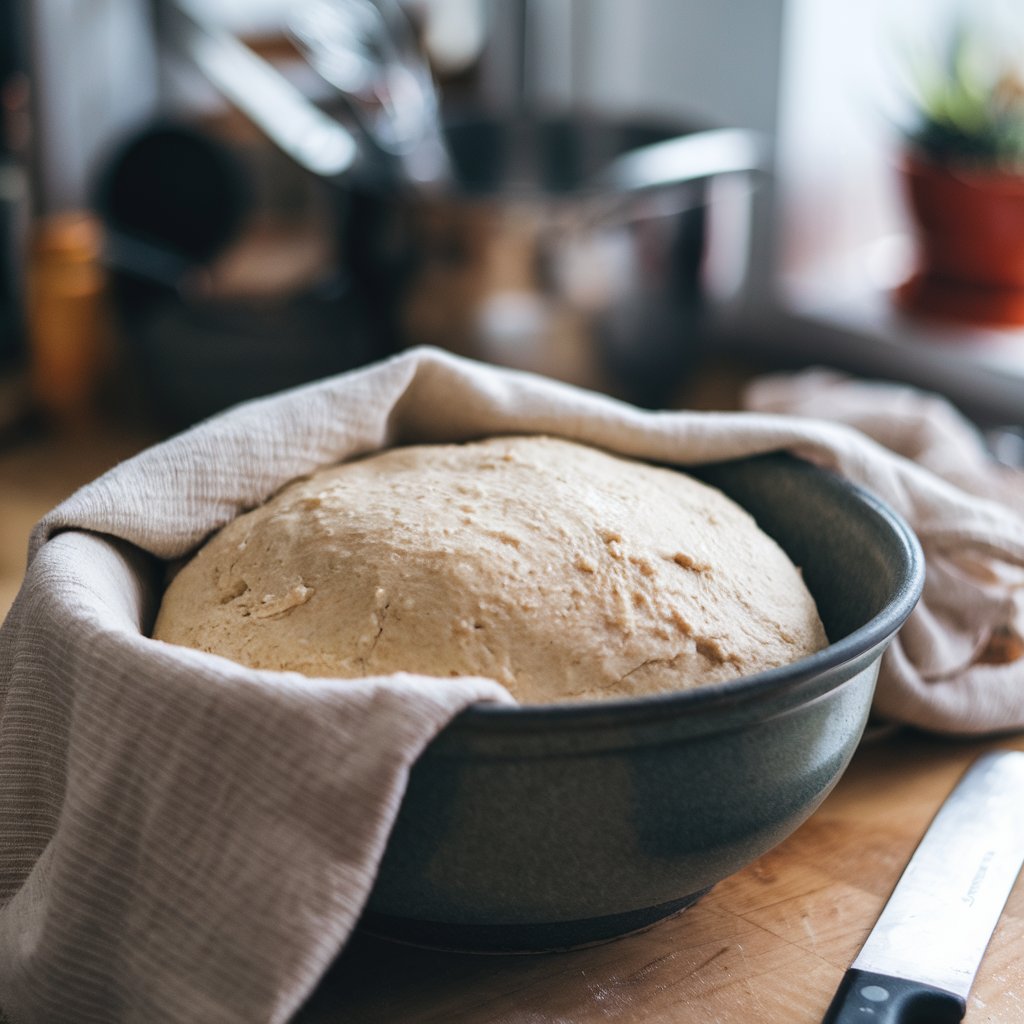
561	571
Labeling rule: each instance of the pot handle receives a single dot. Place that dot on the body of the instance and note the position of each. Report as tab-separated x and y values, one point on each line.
691	157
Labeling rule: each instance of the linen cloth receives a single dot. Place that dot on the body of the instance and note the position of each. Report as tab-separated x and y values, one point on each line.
958	663
185	839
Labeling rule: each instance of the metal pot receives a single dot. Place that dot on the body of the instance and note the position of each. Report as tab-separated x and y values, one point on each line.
576	247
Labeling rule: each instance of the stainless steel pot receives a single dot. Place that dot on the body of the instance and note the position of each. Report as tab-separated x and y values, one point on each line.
577	247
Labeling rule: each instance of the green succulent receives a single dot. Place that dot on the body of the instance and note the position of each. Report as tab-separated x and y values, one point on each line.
970	107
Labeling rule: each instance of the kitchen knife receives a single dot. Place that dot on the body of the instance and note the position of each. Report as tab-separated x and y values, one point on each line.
920	959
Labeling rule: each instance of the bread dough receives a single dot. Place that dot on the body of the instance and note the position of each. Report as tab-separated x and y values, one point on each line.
559	570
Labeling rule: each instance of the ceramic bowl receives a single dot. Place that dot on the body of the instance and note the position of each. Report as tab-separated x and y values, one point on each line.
547	827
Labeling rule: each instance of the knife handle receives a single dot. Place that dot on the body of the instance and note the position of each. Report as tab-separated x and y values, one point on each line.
864	997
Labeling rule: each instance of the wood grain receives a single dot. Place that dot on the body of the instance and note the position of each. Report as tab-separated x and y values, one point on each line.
768	945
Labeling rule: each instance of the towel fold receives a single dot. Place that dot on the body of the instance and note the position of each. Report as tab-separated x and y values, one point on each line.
186	839
959	661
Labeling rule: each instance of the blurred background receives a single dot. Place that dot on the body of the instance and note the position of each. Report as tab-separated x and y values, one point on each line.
168	245
201	202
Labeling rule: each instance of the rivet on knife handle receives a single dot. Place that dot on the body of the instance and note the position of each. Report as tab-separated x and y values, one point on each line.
864	996
919	961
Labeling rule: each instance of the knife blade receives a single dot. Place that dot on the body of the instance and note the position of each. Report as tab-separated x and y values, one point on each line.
919	961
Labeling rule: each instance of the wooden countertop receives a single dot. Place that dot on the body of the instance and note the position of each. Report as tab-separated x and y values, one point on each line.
38	469
769	944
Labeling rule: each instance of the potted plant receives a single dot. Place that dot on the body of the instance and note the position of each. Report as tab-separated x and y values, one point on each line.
963	171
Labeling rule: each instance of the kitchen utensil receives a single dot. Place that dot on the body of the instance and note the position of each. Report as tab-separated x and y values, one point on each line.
367	50
557	251
171	198
544	247
705	154
1006	445
314	139
540	828
920	959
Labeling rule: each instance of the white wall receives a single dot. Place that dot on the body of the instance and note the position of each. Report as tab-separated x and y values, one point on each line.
94	75
845	97
717	60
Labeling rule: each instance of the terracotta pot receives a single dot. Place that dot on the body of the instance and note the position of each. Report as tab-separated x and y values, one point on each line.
970	227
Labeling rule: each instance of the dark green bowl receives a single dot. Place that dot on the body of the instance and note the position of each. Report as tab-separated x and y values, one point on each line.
546	827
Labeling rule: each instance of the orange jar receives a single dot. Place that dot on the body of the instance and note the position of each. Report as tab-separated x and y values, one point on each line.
69	329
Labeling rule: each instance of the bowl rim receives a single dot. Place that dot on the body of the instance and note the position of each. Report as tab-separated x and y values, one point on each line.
876	633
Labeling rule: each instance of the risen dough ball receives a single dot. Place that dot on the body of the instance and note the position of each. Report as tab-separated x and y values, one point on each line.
557	569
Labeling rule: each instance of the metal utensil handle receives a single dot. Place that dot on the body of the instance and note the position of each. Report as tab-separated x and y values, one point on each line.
310	137
691	157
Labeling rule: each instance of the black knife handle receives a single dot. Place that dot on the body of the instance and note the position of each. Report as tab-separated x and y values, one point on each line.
864	997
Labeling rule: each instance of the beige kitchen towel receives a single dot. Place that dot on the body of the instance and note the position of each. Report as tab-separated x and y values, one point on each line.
962	653
184	839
